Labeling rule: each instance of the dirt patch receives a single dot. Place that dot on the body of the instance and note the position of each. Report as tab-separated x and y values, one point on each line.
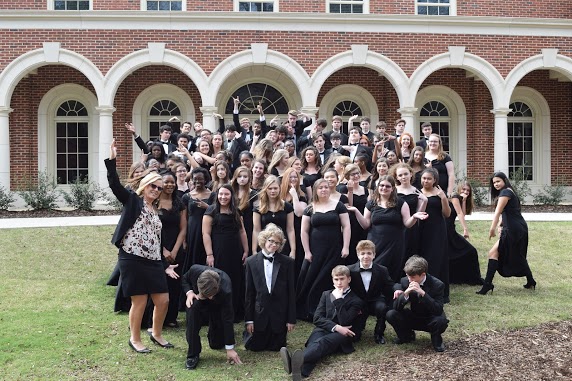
535	353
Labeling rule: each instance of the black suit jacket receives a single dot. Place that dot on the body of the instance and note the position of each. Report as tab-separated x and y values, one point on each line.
277	307
238	144
381	286
429	305
343	311
422	143
328	138
222	298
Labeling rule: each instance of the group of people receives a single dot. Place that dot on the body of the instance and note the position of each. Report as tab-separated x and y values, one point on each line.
254	223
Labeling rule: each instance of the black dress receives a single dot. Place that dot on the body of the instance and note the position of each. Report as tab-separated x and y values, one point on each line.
433	245
299	248
247	215
358	233
310	179
326	243
416	182
513	245
439	165
463	257
411	235
195	248
280	219
227	251
386	232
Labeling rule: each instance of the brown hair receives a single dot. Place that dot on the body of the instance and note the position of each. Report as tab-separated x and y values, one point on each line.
340	270
365	244
208	283
415	265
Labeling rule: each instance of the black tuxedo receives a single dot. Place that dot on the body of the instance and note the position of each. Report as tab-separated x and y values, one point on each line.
378	297
329	313
217	312
327	152
425	313
341	151
422	143
327	135
269	311
238	144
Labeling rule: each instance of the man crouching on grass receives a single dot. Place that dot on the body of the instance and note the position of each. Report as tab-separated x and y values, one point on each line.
336	313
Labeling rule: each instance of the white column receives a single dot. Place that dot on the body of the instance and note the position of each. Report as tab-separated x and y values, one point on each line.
408	114
311	111
105	138
501	139
5	146
208	120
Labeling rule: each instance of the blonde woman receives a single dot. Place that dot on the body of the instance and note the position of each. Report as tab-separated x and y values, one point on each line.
279	162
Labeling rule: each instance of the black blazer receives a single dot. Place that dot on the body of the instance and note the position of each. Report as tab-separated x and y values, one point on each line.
278	307
328	135
238	144
422	143
132	203
223	298
428	306
381	286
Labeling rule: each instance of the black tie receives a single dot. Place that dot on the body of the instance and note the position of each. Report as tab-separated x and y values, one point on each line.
362	269
354	144
269	259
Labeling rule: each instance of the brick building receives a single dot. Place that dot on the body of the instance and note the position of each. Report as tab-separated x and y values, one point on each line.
494	78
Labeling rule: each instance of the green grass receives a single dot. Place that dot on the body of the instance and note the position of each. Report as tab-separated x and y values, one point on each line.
56	320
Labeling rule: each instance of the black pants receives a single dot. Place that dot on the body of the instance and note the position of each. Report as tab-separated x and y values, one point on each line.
321	344
204	312
266	340
404	322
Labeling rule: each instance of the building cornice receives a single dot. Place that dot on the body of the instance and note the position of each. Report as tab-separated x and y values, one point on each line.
303	22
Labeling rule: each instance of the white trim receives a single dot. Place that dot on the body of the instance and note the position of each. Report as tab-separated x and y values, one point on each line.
365	8
143	6
458	122
541	169
46	127
50	6
148	97
276	7
452	7
281	21
347	92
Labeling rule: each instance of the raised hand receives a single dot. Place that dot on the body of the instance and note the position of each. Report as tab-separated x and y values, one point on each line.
112	150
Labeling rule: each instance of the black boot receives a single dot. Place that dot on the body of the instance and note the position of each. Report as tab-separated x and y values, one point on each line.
530	282
491	270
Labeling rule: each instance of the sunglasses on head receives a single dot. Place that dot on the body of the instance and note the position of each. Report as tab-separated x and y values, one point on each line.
156	187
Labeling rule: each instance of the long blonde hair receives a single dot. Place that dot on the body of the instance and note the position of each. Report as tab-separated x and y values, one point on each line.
264	201
244	200
285	186
279	154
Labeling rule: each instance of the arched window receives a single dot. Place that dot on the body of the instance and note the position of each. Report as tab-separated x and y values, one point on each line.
437	114
346	109
273	102
72	148
160	113
521	140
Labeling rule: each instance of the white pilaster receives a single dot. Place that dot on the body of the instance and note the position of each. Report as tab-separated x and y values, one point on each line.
105	138
311	111
408	114
501	139
5	147
208	120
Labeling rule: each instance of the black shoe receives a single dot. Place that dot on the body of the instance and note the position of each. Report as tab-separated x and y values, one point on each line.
437	342
153	339
530	284
192	362
407	339
486	288
379	339
144	350
297	361
172	324
286	359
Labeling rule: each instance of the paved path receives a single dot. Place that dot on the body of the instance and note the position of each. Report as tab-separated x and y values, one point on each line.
13	223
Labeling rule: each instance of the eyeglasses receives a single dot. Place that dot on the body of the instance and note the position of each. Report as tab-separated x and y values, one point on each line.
272	242
385	186
156	187
355	174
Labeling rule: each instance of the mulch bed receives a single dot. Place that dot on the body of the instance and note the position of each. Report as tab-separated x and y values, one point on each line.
534	353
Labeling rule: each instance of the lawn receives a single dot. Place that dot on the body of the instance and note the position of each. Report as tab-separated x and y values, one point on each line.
56	320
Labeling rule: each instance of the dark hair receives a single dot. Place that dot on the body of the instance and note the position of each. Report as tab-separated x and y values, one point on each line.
247	153
416	265
434	173
165	127
318	160
163	157
495	193
335	135
322	122
177	204
230	127
202	170
376	197
282	130
184	136
234	212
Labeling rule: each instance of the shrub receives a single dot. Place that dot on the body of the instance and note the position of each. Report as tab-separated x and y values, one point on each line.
83	194
480	194
550	194
42	195
112	201
520	184
6	198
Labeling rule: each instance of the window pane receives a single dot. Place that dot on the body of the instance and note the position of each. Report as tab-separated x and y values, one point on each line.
334	8
82	145
59	5
433	10
82	130
61	145
444	11
176	6
84	5
72	175
268	7
72	145
358	8
164	5
422	10
72	161
62	176
72	5
60	130
346	8
82	161
152	5
72	130
60	161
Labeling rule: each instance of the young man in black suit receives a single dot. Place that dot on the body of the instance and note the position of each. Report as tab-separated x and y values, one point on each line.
308	136
424	293
427	130
270	303
209	301
337	124
372	283
335	319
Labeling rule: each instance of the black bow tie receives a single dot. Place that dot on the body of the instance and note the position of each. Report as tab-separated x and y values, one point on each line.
269	259
363	270
229	141
354	144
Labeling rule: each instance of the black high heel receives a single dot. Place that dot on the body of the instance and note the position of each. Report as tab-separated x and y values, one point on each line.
486	288
530	284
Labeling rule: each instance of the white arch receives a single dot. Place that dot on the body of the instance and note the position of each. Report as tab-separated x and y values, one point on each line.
541	134
51	54
460	59
283	63
378	62
46	131
546	60
353	93
458	113
146	57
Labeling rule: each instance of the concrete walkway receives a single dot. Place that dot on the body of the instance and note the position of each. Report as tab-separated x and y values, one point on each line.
14	223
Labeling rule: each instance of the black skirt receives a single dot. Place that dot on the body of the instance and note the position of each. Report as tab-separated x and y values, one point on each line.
141	276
